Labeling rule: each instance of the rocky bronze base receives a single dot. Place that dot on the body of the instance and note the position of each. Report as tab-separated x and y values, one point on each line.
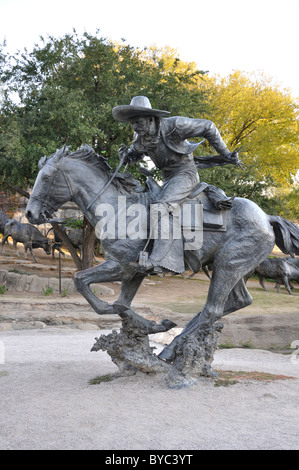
130	350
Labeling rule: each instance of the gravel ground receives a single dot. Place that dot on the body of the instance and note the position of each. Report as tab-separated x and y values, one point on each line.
47	402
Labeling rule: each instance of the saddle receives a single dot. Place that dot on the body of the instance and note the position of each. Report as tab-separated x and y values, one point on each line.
213	217
214	206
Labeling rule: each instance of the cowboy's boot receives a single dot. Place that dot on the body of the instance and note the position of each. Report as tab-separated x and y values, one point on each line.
218	197
168	249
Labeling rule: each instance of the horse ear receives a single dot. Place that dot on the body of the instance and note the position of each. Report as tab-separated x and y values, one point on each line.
57	156
61	153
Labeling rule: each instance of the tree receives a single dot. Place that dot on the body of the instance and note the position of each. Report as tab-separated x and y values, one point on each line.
252	113
66	89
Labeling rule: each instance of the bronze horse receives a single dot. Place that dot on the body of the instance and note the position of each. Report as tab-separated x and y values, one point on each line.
249	238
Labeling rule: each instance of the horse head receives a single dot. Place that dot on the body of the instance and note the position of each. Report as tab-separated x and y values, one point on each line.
50	190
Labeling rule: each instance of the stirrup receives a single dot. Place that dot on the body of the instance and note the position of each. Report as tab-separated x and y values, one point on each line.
146	269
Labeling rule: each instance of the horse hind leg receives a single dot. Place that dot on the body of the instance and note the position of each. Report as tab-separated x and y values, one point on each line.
238	298
223	298
227	292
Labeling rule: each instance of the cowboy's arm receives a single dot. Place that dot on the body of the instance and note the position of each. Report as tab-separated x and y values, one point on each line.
188	128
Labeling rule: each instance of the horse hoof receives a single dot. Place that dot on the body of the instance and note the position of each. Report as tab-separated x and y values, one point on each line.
118	307
168	324
105	310
167	355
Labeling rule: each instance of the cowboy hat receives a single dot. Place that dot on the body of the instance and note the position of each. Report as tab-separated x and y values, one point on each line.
139	106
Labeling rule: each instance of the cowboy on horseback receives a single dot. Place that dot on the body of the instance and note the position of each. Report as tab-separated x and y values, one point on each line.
164	140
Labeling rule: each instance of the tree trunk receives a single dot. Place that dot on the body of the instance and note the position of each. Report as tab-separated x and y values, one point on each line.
63	236
19	190
89	238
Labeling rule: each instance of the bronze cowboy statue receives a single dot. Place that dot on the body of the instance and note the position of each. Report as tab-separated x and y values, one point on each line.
248	237
165	140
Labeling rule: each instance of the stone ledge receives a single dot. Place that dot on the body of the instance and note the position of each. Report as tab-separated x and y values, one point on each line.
33	283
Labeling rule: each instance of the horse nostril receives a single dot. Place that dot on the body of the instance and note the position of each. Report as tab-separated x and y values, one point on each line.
28	214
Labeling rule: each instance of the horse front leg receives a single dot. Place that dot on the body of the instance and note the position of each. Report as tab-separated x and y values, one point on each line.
105	272
129	289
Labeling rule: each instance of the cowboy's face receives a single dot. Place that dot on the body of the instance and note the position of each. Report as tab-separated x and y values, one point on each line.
142	125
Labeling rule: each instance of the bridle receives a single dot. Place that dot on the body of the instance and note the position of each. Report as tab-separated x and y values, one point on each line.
45	200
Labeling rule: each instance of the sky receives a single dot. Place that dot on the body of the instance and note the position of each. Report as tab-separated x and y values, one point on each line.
220	36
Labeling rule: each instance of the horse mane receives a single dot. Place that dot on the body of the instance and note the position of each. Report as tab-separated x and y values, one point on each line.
88	155
124	182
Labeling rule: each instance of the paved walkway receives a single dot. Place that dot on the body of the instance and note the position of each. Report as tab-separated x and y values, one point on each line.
48	403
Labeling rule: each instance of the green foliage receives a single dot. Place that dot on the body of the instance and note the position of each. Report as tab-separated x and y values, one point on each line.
63	91
48	290
64	293
74	223
66	90
253	113
288	205
243	183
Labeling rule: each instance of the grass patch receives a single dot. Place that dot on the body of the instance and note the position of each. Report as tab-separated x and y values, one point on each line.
101	378
228	345
230	377
47	290
3	289
225	382
246	345
19	271
3	373
64	293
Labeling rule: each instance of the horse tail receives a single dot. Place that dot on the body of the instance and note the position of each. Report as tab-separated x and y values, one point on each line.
286	235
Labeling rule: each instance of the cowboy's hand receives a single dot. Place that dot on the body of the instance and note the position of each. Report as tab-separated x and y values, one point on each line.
123	153
233	157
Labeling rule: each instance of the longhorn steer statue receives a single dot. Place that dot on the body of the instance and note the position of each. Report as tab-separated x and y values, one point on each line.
75	236
27	234
280	270
293	261
3	220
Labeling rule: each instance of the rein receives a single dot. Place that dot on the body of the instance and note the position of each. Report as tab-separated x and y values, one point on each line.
106	185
